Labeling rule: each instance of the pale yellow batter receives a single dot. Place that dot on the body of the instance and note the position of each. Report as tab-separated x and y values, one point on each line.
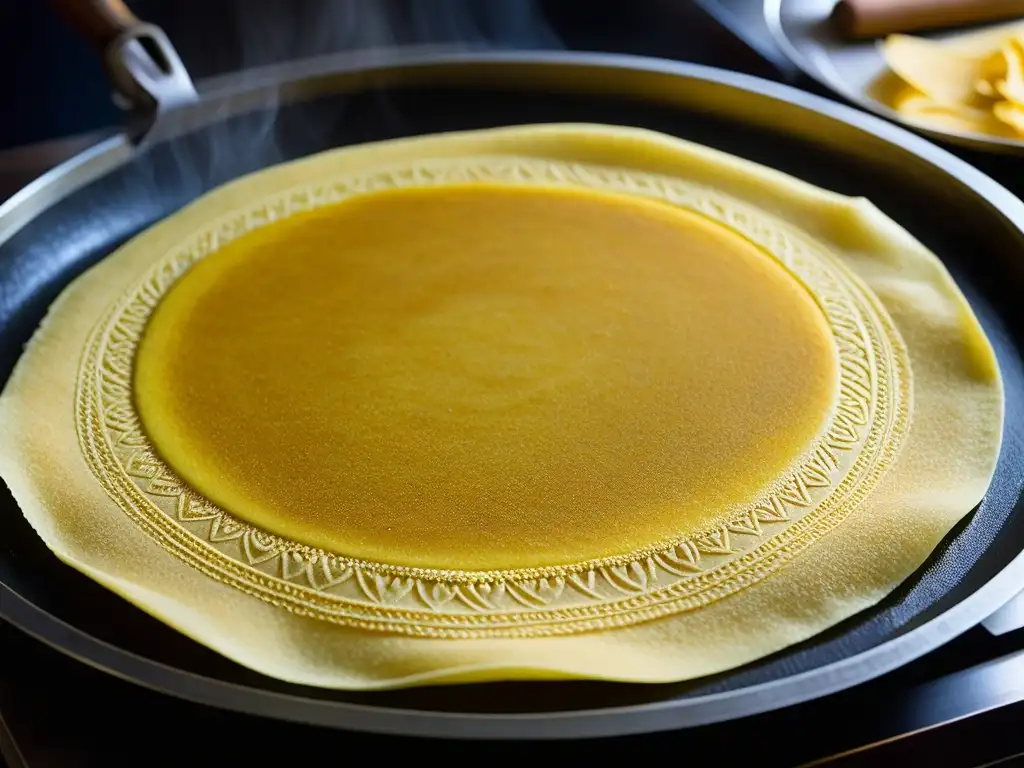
540	402
443	377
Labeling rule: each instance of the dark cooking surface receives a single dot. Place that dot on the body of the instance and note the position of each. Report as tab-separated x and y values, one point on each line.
90	234
37	262
98	720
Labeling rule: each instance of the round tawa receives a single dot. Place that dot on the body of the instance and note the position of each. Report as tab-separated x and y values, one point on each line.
541	402
86	209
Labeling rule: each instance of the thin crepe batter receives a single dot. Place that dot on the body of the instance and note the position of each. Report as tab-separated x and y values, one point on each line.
485	377
645	286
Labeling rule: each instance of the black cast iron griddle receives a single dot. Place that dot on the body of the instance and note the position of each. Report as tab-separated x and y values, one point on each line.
83	210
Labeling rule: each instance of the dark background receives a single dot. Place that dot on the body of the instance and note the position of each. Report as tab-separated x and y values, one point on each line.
52	83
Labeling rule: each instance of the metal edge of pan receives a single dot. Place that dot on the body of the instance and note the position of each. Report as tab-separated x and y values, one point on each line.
643	718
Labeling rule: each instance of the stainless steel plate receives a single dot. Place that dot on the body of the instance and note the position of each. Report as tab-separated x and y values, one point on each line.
801	29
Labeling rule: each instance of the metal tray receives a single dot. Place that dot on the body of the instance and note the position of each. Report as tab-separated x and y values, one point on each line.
801	29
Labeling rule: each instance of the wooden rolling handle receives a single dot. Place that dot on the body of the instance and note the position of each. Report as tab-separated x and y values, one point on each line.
858	19
101	22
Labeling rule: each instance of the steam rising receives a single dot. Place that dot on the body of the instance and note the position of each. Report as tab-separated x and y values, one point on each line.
275	32
279	31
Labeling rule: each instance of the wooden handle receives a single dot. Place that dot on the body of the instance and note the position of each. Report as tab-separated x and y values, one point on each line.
99	21
859	19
